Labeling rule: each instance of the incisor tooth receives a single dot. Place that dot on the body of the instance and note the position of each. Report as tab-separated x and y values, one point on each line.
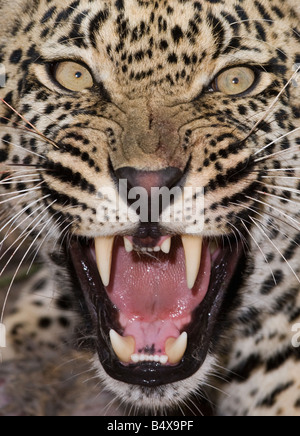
135	358
123	347
128	245
163	359
166	246
175	348
104	251
193	249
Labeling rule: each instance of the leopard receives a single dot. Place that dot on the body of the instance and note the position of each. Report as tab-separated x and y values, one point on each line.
150	165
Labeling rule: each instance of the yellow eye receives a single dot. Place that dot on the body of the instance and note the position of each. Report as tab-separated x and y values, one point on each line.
235	81
73	76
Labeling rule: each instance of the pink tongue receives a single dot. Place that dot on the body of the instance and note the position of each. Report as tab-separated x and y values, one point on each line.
152	296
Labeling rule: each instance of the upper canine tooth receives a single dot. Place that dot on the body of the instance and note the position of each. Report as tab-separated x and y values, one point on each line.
166	246
124	347
175	348
104	251
128	245
193	249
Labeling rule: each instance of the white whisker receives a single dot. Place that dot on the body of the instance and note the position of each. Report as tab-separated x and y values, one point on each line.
256	210
20	213
11	229
281	188
227	370
35	188
278	197
270	108
28	122
11	181
37	249
281	177
24	234
15	198
282	169
275	209
276	248
23	258
18	177
234	23
23	148
216	389
275	141
54	226
260	249
278	153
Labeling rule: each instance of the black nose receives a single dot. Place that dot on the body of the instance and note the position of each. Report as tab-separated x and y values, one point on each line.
168	178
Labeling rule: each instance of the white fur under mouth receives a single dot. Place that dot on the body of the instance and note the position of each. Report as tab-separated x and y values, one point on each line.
158	400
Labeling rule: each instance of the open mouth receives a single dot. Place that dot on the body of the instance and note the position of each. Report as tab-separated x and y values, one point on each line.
155	302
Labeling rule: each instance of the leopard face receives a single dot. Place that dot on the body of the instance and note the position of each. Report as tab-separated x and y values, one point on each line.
156	96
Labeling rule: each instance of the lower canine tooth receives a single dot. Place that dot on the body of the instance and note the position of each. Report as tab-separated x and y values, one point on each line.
175	348
123	347
193	249
104	251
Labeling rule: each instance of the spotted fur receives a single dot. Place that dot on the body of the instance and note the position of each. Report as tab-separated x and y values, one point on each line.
152	107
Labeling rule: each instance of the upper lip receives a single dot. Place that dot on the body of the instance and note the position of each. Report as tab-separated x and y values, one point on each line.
200	331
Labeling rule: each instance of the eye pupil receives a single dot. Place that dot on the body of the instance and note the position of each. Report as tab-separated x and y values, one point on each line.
78	75
236	81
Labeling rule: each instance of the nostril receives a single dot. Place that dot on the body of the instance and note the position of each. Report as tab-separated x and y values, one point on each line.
146	234
168	177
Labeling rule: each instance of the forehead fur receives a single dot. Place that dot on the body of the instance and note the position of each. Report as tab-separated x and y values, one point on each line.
154	44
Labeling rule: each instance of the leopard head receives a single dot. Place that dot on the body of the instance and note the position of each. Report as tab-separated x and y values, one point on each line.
143	147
